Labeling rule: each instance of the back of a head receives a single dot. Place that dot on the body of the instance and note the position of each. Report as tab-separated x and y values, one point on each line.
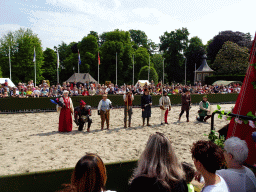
159	161
208	154
237	148
89	174
189	171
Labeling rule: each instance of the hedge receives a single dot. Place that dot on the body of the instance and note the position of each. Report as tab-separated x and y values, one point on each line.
209	80
43	103
118	175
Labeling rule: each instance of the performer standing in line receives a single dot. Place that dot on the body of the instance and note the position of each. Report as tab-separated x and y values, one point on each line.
82	115
185	102
128	98
146	102
204	110
104	109
65	119
165	106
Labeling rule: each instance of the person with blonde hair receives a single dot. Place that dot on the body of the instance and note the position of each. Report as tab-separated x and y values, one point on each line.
158	168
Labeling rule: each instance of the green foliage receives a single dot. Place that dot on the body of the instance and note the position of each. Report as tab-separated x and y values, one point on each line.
22	43
216	138
157	60
49	66
174	44
143	74
211	79
231	59
254	84
1	73
139	39
194	53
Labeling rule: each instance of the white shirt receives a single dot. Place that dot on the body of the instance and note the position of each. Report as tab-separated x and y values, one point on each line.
239	180
219	187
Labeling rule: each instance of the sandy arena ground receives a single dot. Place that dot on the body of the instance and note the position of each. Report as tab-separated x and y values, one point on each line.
31	142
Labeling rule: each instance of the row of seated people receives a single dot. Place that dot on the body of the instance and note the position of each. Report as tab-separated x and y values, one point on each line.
158	169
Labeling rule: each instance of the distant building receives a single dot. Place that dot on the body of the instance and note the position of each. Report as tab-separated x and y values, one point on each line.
203	71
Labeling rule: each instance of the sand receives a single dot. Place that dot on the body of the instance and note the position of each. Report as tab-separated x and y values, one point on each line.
31	142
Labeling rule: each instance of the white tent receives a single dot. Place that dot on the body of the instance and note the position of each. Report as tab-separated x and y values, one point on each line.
142	82
10	83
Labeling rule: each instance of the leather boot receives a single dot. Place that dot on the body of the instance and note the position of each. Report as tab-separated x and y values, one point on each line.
143	122
125	126
148	122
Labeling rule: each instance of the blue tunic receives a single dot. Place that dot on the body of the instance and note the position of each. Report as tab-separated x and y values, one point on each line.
146	99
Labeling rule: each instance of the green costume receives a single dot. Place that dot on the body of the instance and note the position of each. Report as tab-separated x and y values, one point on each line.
203	112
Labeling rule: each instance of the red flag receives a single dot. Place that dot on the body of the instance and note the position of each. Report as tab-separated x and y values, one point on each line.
246	102
99	58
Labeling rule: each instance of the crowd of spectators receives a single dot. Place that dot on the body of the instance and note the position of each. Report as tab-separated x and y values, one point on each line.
24	90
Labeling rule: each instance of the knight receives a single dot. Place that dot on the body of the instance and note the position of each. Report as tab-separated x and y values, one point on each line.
82	115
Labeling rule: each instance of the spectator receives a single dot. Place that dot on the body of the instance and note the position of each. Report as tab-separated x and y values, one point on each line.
37	92
92	91
208	157
44	92
85	93
238	177
158	168
190	174
22	94
55	92
89	175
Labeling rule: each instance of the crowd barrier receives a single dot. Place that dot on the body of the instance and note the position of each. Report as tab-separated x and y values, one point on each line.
118	175
43	103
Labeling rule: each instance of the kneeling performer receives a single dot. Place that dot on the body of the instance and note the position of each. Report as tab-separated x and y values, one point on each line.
165	106
82	115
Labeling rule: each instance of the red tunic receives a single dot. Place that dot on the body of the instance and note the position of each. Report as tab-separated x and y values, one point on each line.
65	120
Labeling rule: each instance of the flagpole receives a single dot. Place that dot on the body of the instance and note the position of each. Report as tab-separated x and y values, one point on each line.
133	71
195	75
148	67
163	70
185	71
98	69
78	62
35	64
10	64
116	68
58	66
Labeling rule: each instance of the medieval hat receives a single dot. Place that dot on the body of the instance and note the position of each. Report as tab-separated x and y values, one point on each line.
82	102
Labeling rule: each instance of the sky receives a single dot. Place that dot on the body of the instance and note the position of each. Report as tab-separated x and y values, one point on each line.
55	21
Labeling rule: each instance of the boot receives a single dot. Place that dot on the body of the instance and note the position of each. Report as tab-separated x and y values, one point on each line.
129	124
143	119
148	122
125	126
179	119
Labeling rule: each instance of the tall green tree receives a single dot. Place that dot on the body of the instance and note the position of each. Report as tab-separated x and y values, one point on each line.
157	60
22	43
231	59
143	74
141	59
116	42
193	54
49	66
173	45
241	39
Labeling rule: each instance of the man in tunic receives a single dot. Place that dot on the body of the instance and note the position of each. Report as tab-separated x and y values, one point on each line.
128	98
165	106
82	115
146	102
185	104
204	110
104	109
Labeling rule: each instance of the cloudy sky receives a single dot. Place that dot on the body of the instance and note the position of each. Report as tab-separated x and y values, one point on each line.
70	20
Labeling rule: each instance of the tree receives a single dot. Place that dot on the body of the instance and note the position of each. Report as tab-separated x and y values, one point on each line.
22	43
88	49
141	59
116	42
194	53
231	59
173	44
241	39
157	60
143	74
49	66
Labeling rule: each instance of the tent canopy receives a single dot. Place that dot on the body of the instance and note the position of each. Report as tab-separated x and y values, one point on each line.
142	82
10	83
81	78
225	83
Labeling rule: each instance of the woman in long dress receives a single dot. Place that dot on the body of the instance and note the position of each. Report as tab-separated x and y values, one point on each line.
66	112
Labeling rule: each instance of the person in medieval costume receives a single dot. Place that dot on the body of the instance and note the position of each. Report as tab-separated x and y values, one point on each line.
146	102
82	115
165	106
204	110
185	104
66	111
128	98
104	110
